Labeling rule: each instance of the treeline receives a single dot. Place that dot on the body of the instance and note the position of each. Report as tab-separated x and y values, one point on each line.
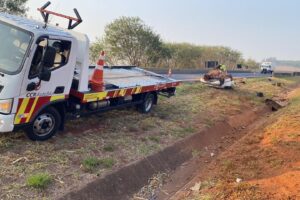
185	55
128	41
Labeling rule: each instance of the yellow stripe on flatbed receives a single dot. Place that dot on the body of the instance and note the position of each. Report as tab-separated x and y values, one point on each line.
103	95
95	96
123	92
138	90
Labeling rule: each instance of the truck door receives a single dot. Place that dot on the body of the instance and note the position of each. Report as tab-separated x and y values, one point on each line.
36	94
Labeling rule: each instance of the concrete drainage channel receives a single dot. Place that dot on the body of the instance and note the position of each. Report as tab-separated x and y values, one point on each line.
125	182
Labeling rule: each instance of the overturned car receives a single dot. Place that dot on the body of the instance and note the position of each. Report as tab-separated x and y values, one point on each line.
219	78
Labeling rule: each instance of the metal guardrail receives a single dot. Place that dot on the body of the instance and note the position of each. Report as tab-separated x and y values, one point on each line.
296	73
281	74
286	74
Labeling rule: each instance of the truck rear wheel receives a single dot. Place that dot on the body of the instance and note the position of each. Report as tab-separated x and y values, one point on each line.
45	125
147	104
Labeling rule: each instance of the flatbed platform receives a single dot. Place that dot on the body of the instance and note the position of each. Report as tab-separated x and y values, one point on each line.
126	81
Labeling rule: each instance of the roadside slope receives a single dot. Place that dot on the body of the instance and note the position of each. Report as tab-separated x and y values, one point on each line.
265	164
92	148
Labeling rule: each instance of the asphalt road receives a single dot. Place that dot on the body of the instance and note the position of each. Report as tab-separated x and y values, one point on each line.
187	77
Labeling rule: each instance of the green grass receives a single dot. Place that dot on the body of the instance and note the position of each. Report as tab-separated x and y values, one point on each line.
90	164
39	181
107	162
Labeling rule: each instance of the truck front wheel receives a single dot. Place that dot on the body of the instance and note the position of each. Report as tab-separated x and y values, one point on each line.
45	125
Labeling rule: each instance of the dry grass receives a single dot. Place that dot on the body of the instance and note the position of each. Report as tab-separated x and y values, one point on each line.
267	160
123	136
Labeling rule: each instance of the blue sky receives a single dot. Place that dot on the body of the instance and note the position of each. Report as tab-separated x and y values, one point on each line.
258	28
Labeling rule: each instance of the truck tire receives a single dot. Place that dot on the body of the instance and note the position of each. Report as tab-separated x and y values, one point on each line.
45	125
147	104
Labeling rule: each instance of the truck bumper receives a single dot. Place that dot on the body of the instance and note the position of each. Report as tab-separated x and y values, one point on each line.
6	123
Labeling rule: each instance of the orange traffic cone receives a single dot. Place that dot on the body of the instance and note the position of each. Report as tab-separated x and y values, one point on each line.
97	78
170	72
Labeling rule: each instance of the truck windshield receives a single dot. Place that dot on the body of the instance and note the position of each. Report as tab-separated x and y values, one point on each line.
13	46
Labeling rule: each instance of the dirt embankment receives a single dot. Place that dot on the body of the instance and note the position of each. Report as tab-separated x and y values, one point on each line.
126	181
264	164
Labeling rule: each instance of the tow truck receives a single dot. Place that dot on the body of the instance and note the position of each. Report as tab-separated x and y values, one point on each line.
45	77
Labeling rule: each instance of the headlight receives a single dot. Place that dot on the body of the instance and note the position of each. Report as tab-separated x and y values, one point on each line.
5	106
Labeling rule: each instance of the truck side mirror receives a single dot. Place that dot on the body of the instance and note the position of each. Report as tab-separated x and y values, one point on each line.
45	75
31	86
49	57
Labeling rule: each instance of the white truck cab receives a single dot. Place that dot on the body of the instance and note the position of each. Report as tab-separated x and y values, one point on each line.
23	45
45	76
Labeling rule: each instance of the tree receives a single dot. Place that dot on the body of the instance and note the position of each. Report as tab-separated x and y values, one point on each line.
16	7
130	41
185	55
251	64
95	50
